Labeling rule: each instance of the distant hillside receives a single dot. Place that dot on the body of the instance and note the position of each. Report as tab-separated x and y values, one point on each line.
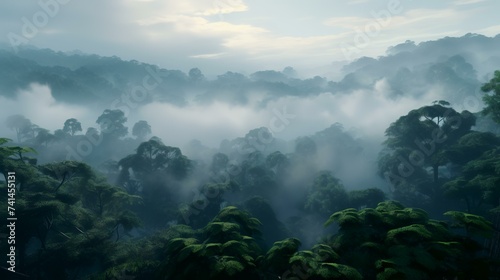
455	67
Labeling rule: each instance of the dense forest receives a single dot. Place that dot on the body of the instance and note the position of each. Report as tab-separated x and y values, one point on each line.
111	201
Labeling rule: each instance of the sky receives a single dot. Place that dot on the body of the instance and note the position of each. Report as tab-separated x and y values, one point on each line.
236	35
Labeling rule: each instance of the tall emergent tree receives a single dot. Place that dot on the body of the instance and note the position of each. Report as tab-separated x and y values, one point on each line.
415	148
72	126
112	124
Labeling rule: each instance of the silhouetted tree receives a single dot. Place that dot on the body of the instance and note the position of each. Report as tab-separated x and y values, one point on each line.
326	195
22	126
72	126
195	75
112	123
141	129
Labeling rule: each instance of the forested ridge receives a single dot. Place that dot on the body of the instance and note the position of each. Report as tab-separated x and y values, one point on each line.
456	65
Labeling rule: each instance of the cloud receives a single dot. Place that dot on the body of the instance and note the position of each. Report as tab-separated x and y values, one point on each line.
348	22
489	31
370	35
208	55
369	112
221	7
212	123
467	2
37	104
356	2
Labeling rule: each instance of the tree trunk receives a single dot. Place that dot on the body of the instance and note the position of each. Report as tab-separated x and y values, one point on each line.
435	171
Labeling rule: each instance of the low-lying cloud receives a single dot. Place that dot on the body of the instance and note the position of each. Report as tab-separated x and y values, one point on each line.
366	113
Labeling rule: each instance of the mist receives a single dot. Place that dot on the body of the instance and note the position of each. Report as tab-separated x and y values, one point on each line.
288	147
367	97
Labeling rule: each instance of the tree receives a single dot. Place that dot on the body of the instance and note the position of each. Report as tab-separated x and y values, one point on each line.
72	126
290	72
91	132
196	76
394	242
155	171
141	129
305	147
326	195
152	157
473	224
43	137
66	171
72	226
479	182
416	145
492	101
471	146
112	123
272	228
224	249
255	178
277	258
278	163
59	135
219	163
13	158
284	261
22	126
366	198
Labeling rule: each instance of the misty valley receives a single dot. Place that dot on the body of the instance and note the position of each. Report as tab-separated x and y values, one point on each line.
120	169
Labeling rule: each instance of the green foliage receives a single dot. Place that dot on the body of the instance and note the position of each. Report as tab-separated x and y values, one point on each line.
154	172
346	218
66	171
492	101
366	198
473	224
76	215
72	225
153	156
338	271
12	157
327	195
410	235
479	183
393	242
417	143
72	126
325	253
228	250
277	257
112	123
317	264
249	225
